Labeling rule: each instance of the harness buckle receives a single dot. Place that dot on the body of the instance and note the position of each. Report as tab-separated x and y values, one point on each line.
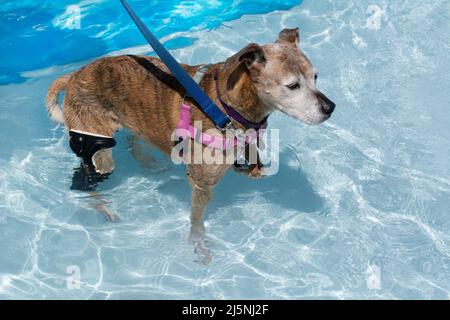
228	126
239	136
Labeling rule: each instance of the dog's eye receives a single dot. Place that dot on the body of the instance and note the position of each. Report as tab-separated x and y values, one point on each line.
294	86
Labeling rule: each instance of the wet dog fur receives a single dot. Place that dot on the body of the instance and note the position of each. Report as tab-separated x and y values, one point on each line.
140	94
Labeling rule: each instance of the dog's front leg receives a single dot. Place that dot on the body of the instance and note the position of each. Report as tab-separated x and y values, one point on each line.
203	179
200	198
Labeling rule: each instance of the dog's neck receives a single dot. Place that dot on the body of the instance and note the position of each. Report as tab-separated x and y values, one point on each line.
242	96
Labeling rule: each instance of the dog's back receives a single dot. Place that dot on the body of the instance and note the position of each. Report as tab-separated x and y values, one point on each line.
135	92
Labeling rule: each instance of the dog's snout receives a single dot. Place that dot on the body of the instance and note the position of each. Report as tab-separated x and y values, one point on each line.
326	105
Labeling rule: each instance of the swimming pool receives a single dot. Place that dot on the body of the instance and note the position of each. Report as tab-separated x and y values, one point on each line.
359	208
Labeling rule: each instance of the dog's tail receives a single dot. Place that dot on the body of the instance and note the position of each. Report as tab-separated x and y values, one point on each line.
51	102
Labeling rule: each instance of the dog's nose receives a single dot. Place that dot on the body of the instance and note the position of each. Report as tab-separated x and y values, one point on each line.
326	105
327	108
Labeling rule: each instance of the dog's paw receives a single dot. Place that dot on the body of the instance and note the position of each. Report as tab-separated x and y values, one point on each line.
202	253
253	171
257	172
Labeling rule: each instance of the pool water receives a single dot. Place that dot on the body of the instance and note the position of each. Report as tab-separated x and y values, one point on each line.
360	206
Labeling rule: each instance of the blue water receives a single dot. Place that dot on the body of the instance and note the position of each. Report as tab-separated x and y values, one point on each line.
359	209
44	28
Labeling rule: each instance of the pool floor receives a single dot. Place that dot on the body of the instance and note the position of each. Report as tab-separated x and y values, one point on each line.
359	208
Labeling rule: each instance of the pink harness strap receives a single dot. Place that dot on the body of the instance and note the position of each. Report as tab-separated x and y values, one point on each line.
185	130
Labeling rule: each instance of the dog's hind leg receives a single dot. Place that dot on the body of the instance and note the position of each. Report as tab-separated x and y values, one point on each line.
91	130
136	147
103	161
101	206
86	179
97	164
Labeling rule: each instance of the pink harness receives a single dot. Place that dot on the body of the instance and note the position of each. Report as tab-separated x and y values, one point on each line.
185	130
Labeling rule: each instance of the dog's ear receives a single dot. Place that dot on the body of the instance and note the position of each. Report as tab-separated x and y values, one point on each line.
253	56
289	36
249	59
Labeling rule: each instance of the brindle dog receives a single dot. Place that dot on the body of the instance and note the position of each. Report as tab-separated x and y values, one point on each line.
139	93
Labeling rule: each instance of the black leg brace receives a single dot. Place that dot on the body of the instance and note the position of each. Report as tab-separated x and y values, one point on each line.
85	146
85	178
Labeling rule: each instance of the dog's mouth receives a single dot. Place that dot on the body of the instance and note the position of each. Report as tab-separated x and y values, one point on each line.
310	118
317	120
315	114
326	109
325	116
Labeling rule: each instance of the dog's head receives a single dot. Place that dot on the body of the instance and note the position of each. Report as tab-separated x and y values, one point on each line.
284	78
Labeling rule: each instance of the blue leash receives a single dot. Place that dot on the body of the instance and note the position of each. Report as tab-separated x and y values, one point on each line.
209	108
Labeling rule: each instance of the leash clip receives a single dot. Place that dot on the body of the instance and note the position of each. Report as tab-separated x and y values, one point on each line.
238	134
228	126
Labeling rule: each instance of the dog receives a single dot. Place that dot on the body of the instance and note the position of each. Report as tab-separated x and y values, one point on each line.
140	94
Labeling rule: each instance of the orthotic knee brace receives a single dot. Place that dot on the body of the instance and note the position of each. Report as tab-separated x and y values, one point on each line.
85	145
